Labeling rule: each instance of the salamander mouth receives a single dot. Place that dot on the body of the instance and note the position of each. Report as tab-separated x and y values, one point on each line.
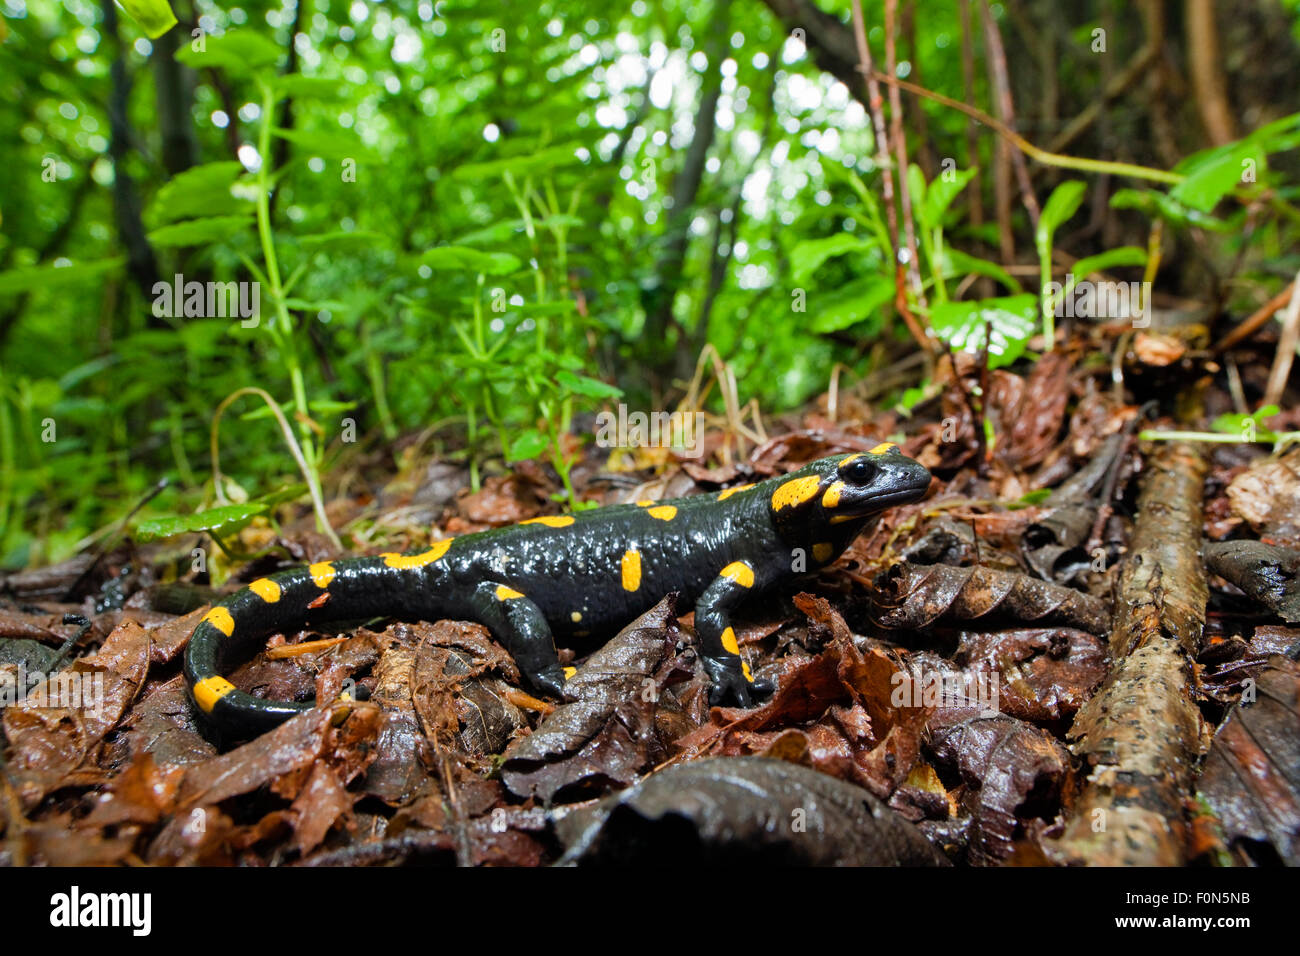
888	499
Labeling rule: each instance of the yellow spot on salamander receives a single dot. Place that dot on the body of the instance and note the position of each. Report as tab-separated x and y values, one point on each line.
882	448
663	512
822	551
631	570
220	618
646	503
507	594
795	492
744	669
832	497
569	672
840	519
322	573
575	616
724	495
266	589
406	562
551	521
210	690
729	643
740	572
845	462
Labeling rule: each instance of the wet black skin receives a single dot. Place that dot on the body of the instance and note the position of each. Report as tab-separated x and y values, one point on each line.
549	573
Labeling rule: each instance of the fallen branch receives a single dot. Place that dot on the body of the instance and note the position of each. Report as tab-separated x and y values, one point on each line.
1141	732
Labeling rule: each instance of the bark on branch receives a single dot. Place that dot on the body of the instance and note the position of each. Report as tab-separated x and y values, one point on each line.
1142	732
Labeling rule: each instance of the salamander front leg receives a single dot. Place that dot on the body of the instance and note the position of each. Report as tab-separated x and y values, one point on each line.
518	623
719	651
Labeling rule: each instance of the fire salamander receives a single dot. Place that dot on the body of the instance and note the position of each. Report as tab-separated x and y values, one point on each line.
566	576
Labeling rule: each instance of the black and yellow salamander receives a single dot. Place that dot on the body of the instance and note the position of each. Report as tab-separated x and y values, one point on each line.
569	576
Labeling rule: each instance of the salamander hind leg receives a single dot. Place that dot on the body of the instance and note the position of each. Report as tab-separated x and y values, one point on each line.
520	625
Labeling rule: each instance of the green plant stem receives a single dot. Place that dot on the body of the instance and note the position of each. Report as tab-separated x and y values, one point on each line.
283	330
308	473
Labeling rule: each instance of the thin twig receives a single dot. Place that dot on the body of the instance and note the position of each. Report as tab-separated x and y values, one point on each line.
1256	321
874	104
1286	344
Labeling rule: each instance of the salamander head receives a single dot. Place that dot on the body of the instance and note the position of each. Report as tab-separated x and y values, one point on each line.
847	487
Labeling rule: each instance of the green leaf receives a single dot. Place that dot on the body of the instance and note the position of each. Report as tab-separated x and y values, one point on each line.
310	87
1010	321
954	263
30	278
154	16
852	303
1061	205
1213	173
238	52
1110	259
198	191
459	258
583	385
339	240
1158	205
1037	496
528	444
1278	136
341	143
941	194
807	256
226	519
197	232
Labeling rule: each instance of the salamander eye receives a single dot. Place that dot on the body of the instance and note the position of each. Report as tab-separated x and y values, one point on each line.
860	472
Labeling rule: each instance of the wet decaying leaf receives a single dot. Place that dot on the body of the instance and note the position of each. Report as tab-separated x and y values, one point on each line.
397	773
1268	497
1141	733
1031	410
56	731
1266	572
915	597
743	810
606	737
1044	673
457	694
834	712
52	581
1011	773
162	726
1055	545
1250	777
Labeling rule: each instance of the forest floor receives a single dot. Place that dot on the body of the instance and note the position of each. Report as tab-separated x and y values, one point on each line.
1080	647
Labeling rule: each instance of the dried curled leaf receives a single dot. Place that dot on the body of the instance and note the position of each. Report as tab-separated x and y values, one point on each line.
916	597
1266	572
607	736
729	810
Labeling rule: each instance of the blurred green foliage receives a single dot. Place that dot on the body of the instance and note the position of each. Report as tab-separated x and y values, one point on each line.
456	211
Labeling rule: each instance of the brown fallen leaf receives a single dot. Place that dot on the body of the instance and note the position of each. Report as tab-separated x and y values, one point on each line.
743	810
1044	674
606	738
1250	775
1268	573
321	804
56	732
1012	772
914	597
833	711
1267	495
